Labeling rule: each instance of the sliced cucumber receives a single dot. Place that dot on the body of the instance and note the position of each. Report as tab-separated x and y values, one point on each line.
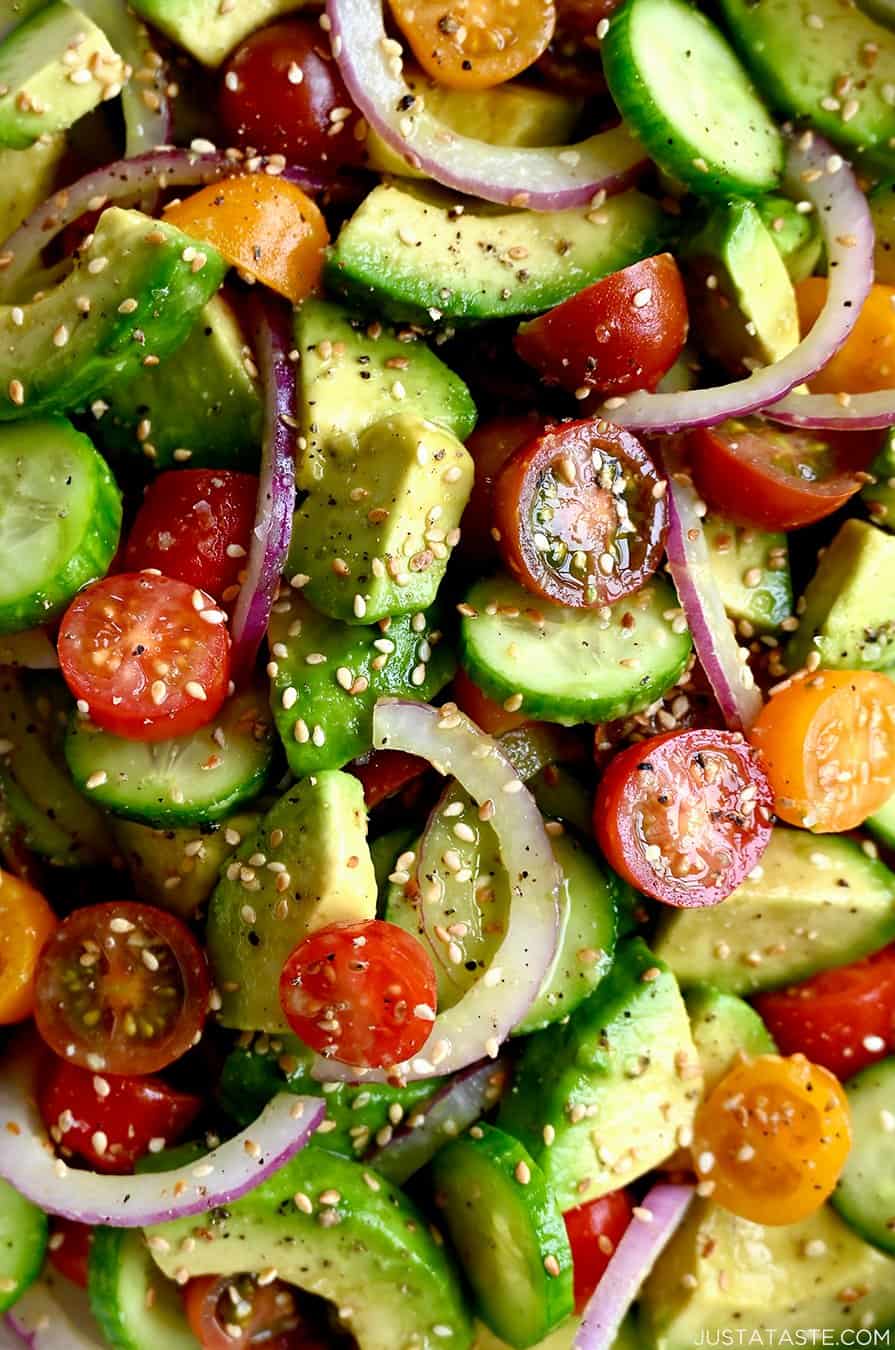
683	91
508	1232
184	781
60	514
23	1244
865	1194
751	568
573	665
136	1307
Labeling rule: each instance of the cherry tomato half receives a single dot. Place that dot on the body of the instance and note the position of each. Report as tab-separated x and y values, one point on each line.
866	360
684	817
195	525
121	988
594	1232
623	333
109	1122
491	445
475	44
69	1249
362	993
282	93
224	1311
492	717
776	478
26	922
148	655
581	514
843	1019
773	1138
827	744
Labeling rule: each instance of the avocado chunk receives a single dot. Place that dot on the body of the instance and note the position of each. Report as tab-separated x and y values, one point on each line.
849	604
759	1279
882	212
178	868
600	1099
741	300
131	297
811	904
318	831
323	710
724	1027
563	1338
202	407
796	235
374	538
27	178
879	496
352	374
54	68
751	568
373	1255
208	29
421	257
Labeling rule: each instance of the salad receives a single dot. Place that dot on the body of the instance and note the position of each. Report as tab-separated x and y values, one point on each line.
447	738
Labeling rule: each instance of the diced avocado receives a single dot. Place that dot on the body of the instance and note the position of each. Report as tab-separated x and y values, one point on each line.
27	178
324	711
796	235
741	300
879	497
849	612
210	29
751	568
374	537
507	114
203	406
724	1027
353	373
385	852
15	12
318	830
882	212
811	904
563	1338
178	868
374	1257
721	1272
599	1100
37	830
355	1112
420	257
131	297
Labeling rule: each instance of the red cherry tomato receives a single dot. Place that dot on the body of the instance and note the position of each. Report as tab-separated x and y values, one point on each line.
843	1019
121	988
149	656
385	773
594	1232
195	525
621	334
686	816
581	514
491	445
755	473
282	94
224	1311
485	712
109	1121
69	1249
355	992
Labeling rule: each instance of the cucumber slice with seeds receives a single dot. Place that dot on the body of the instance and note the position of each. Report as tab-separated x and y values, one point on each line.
136	1307
865	1193
23	1244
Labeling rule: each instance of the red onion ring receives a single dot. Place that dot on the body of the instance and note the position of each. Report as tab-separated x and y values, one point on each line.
549	179
815	173
832	412
482	1019
276	485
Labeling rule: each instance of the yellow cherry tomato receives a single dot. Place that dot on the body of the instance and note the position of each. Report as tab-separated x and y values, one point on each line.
267	227
866	360
827	743
773	1138
474	44
26	922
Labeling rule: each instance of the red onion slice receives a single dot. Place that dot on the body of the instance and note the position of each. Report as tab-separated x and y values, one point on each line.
276	484
720	655
816	174
27	1160
477	1025
640	1246
836	412
52	1314
548	179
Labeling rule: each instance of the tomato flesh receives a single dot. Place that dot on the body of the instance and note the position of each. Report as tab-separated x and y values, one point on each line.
580	513
149	656
621	334
594	1232
224	1311
384	773
475	44
686	816
490	445
121	988
26	922
492	717
362	993
69	1249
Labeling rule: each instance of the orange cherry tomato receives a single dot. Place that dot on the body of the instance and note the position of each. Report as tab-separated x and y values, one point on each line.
866	360
773	1138
827	742
474	44
26	922
267	227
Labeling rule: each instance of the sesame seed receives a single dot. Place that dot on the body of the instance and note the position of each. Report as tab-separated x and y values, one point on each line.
97	779
17	392
643	1215
196	690
551	1265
